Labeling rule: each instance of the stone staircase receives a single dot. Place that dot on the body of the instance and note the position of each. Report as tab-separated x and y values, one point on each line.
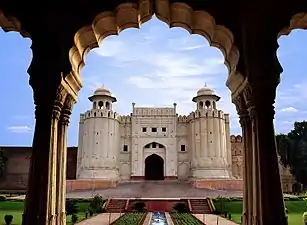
116	205
200	206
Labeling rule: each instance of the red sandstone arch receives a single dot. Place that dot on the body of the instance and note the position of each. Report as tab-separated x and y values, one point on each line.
298	21
9	23
131	15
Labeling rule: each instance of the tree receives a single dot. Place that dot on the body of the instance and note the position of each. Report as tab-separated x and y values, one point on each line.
292	148
2	163
285	148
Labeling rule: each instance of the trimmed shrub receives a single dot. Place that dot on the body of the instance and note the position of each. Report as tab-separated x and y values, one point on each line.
305	217
96	205
71	207
3	198
8	219
181	207
138	206
74	218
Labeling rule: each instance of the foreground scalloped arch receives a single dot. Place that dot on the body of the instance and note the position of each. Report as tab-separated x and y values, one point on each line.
298	21
131	15
8	24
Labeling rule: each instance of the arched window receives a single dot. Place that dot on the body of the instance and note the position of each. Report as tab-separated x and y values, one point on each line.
100	104
107	105
201	105
208	104
94	105
214	104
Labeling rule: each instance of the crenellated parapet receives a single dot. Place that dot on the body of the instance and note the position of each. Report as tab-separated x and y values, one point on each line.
183	119
125	119
98	113
236	139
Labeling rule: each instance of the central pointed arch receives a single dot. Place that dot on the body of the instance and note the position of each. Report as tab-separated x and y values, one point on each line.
154	167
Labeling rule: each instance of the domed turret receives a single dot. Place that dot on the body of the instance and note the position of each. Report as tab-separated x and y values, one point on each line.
206	98
102	99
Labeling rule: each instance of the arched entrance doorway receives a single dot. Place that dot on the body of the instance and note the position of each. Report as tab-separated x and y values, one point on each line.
154	167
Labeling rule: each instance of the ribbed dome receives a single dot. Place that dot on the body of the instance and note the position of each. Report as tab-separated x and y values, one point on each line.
205	91
102	91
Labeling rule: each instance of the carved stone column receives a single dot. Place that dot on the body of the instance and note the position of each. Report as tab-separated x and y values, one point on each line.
247	159
258	61
41	193
45	78
62	160
268	204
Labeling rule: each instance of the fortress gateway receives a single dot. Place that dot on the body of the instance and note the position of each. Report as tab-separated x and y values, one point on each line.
154	143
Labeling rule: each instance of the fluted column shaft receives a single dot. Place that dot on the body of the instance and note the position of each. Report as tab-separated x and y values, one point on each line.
62	160
247	159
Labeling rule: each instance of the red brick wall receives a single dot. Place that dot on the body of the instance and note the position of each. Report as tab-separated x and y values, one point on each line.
18	163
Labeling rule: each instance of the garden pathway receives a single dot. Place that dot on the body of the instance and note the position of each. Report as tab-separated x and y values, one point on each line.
211	219
146	221
169	219
101	219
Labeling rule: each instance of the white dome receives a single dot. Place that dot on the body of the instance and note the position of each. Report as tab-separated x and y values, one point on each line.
102	91
205	91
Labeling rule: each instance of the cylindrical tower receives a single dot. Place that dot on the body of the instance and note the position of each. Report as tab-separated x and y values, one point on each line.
210	153
98	149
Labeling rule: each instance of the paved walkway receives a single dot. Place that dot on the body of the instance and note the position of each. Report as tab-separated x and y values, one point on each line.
146	221
101	219
211	219
169	219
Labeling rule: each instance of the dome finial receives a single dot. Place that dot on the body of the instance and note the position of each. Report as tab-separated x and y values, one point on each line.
205	84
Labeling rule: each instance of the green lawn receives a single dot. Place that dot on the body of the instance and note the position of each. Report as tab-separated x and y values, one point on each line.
15	208
295	211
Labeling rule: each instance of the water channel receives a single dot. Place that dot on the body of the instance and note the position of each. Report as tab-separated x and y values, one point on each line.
157	218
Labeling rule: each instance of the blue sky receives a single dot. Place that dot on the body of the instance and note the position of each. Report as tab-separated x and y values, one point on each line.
153	66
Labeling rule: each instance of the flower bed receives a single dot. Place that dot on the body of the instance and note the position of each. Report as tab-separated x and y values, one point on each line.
184	219
130	219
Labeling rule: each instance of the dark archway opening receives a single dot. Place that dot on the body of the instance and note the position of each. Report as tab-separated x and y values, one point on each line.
154	168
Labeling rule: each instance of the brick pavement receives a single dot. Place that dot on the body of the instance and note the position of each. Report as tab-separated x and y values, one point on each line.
211	219
101	219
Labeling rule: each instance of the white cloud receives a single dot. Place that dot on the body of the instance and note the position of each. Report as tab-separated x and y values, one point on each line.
289	109
20	129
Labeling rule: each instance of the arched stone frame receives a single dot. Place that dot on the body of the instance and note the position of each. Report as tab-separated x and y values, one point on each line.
158	151
131	15
10	23
297	21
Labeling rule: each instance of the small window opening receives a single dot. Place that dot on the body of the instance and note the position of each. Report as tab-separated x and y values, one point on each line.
154	145
163	129
125	148
182	148
161	146
144	129
153	129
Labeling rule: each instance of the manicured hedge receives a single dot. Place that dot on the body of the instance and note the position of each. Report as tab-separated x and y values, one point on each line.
185	219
